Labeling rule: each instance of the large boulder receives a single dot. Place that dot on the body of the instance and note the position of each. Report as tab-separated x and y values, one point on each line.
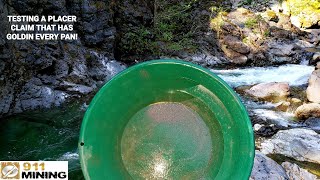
266	168
313	90
308	110
296	173
281	51
235	57
300	144
273	92
234	49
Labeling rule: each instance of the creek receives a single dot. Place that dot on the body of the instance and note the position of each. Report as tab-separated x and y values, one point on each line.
52	134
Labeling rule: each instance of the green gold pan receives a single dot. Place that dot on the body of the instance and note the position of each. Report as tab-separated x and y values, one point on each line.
166	119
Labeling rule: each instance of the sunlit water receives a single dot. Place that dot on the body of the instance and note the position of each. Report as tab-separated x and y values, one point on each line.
295	75
169	140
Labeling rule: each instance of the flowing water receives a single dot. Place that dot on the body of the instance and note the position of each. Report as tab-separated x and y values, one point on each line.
294	74
53	134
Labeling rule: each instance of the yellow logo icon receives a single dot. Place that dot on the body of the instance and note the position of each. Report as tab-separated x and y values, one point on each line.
10	170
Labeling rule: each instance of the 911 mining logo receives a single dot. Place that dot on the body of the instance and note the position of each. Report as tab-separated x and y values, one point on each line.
34	170
10	170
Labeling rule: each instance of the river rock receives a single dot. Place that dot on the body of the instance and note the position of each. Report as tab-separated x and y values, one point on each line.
300	144
315	58
267	130
6	99
313	90
257	126
290	105
296	173
308	110
273	92
235	44
294	104
284	106
313	123
234	49
280	52
265	168
206	60
235	57
35	95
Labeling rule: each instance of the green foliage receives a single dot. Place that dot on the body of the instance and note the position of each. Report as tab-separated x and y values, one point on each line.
173	30
173	24
246	40
183	44
253	22
175	46
216	17
164	31
266	33
217	9
217	22
138	42
247	2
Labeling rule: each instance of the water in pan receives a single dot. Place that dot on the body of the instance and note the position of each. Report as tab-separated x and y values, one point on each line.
169	140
